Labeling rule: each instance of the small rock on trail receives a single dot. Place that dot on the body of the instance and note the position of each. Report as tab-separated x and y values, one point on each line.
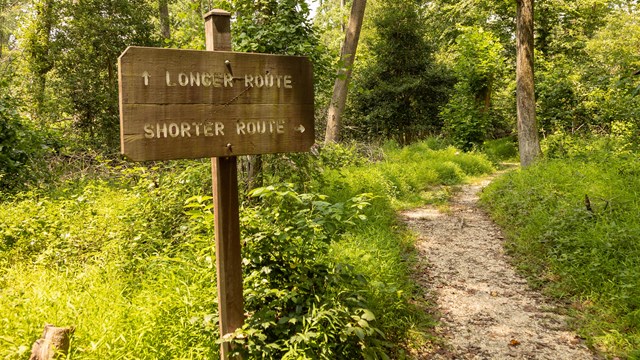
487	311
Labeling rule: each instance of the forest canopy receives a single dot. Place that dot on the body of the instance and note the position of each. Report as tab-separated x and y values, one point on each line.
423	68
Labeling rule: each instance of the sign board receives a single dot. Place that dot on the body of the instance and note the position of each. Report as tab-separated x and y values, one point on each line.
179	104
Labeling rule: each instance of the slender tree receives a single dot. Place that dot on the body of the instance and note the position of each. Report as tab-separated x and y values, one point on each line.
39	51
165	29
347	57
526	102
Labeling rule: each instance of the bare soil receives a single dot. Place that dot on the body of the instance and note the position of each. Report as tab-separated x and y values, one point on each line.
486	309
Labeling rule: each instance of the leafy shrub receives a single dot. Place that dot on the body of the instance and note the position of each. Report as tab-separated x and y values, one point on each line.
312	303
20	146
469	115
465	124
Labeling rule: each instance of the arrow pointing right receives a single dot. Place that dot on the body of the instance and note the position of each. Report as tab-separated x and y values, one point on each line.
301	129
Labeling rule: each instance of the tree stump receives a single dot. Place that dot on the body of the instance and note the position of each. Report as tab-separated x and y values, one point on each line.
54	342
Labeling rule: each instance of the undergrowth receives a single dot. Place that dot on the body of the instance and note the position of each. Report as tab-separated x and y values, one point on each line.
572	224
127	258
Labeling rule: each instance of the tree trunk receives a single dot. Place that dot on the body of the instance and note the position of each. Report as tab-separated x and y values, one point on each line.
343	26
339	98
3	7
40	98
254	172
527	130
165	29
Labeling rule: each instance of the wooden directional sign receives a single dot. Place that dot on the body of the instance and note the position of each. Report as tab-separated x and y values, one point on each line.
178	104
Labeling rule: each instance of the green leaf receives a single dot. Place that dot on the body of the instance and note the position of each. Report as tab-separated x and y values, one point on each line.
359	332
367	315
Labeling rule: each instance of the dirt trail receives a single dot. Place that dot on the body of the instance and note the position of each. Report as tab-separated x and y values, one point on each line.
487	311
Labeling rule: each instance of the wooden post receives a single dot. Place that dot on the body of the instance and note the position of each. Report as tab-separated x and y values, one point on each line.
54	343
226	207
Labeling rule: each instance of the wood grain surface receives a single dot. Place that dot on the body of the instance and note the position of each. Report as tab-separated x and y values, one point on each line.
178	104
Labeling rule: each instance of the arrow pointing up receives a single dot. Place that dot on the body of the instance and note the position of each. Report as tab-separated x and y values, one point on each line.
301	129
146	77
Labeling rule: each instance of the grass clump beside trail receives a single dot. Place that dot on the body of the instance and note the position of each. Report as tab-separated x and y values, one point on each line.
572	224
128	258
501	150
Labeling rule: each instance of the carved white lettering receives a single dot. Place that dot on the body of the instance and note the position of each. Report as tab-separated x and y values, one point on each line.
228	80
148	131
160	130
208	129
206	79
183	79
195	79
251	128
169	83
259	81
219	128
197	126
185	129
174	130
248	81
260	127
217	79
240	128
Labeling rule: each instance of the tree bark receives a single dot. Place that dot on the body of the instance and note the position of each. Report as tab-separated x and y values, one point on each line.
343	26
340	88
41	55
254	172
526	102
165	29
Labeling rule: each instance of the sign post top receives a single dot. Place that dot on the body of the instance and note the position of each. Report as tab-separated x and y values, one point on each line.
217	26
217	12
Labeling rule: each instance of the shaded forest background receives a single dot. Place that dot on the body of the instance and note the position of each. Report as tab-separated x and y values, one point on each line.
424	68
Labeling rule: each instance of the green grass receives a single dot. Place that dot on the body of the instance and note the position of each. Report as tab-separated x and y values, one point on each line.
128	258
589	257
501	150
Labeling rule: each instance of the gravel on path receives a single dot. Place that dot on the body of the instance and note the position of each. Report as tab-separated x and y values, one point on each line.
486	310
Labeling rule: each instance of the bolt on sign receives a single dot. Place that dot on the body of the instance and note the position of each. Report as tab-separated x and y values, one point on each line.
181	104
